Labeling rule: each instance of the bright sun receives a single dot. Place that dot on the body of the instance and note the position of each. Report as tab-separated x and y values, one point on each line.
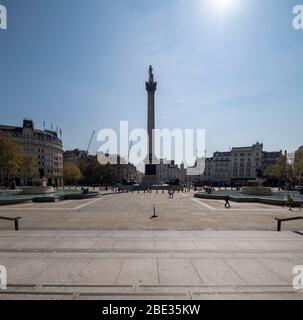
223	5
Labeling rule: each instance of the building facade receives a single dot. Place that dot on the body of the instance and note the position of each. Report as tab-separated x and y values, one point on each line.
246	162
219	167
125	172
167	171
75	156
44	147
237	166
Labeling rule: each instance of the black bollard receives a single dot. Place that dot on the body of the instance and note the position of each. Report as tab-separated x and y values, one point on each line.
154	215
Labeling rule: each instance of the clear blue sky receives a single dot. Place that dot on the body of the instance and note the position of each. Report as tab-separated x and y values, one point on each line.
81	65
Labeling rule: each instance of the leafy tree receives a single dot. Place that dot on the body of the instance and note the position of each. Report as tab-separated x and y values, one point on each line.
71	172
27	167
288	169
95	173
279	169
295	167
10	157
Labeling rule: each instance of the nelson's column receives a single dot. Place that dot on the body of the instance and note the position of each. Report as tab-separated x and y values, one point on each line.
150	168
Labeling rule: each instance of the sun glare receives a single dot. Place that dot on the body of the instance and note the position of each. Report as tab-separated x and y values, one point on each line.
222	6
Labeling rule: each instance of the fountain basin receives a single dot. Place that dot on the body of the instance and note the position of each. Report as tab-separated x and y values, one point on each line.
8	198
276	198
256	191
36	190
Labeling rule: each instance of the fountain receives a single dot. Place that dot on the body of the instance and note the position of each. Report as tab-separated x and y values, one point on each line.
39	187
256	188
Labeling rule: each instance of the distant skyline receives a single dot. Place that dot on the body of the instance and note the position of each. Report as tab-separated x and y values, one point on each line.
82	66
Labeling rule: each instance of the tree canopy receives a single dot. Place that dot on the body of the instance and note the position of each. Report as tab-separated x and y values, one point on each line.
10	157
288	169
71	172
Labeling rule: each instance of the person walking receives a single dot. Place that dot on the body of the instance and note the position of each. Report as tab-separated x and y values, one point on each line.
290	202
227	204
170	193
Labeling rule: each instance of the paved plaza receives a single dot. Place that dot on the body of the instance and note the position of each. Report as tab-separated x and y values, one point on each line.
127	211
109	248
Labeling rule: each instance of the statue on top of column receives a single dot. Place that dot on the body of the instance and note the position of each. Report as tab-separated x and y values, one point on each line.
151	85
151	75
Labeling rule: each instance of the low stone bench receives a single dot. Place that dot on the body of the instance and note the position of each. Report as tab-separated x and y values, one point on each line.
279	225
16	220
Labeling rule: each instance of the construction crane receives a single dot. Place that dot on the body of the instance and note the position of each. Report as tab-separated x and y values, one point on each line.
130	146
90	141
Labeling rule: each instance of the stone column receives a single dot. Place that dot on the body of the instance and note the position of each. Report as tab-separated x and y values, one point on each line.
151	87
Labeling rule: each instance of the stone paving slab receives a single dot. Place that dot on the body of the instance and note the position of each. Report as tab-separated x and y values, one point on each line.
100	271
254	273
180	271
216	272
62	271
25	270
281	266
139	271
